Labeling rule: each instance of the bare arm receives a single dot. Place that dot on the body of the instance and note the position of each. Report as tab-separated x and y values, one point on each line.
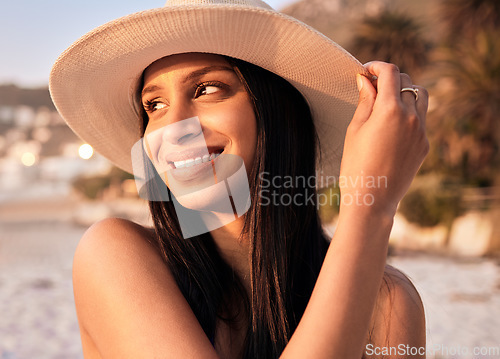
385	138
335	323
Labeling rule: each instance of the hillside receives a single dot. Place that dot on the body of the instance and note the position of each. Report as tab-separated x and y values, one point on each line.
12	95
337	19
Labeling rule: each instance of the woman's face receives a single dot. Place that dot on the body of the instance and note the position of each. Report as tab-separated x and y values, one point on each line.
197	108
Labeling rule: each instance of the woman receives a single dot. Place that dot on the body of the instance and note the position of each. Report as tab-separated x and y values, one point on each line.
267	283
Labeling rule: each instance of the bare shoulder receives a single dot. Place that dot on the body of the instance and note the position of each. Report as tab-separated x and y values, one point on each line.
398	321
109	227
398	292
110	244
113	234
128	303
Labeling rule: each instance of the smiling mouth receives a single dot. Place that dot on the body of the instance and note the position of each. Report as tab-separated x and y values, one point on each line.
197	160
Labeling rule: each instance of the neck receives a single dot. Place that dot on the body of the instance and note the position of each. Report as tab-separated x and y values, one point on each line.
235	250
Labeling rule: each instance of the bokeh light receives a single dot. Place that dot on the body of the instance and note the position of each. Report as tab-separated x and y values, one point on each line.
85	151
28	159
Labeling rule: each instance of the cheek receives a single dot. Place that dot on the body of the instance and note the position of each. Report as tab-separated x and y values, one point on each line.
238	122
248	133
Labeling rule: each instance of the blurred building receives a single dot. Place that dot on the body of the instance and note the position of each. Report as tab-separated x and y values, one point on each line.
39	154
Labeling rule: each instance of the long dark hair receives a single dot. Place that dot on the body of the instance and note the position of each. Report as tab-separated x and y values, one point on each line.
287	242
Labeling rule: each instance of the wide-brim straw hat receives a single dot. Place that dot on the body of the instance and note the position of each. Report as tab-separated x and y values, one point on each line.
95	83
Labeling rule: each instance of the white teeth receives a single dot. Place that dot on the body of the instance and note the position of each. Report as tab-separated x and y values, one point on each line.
189	162
192	161
179	164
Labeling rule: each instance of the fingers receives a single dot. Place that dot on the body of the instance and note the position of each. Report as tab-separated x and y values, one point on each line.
367	96
422	103
410	100
388	82
414	104
382	94
388	79
407	97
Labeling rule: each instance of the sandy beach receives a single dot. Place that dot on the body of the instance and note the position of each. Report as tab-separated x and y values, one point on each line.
38	319
462	303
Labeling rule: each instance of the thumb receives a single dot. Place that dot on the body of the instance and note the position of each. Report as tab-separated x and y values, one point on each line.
367	95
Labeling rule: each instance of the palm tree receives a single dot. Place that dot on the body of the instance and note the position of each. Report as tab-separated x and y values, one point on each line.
465	122
468	106
392	37
464	18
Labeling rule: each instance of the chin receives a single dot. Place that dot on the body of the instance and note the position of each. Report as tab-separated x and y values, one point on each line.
201	209
213	198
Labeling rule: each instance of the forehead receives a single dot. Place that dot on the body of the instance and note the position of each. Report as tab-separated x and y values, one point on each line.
182	63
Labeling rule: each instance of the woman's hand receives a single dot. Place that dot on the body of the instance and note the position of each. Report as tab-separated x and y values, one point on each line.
385	143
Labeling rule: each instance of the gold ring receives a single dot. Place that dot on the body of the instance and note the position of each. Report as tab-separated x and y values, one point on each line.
412	90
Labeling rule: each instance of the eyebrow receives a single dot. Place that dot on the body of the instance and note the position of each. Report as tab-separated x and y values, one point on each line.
193	75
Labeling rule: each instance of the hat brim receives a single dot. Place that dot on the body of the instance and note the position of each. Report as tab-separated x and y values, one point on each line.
94	83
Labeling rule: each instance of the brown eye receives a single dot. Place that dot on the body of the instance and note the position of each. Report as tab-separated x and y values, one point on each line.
158	106
155	105
208	88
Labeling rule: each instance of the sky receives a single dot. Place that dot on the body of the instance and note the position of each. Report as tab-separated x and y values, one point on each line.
33	32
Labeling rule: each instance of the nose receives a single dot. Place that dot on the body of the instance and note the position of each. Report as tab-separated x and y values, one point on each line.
180	132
